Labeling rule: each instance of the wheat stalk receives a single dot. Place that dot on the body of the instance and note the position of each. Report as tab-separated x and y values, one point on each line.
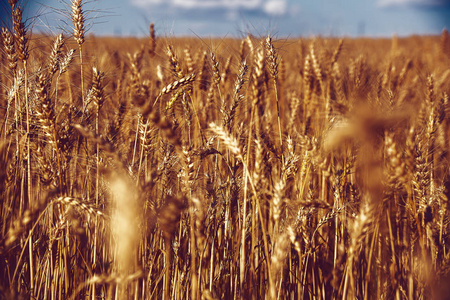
78	20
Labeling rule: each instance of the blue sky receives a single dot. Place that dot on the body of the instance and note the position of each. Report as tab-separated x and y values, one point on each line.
282	18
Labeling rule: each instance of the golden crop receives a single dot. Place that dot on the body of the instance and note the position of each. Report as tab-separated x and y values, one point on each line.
173	168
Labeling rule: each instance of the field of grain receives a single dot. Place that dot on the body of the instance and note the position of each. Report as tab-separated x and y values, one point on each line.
189	168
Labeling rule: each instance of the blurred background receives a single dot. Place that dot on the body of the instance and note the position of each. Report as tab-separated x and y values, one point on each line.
237	18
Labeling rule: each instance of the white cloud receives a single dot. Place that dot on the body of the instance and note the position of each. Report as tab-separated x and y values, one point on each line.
143	3
270	7
275	7
393	3
208	4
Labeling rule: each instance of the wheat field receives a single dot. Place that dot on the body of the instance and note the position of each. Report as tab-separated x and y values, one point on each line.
252	168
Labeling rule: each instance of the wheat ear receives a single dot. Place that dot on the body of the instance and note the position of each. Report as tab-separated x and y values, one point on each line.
78	33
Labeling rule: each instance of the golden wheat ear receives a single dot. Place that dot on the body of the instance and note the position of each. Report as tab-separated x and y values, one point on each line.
78	20
152	41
